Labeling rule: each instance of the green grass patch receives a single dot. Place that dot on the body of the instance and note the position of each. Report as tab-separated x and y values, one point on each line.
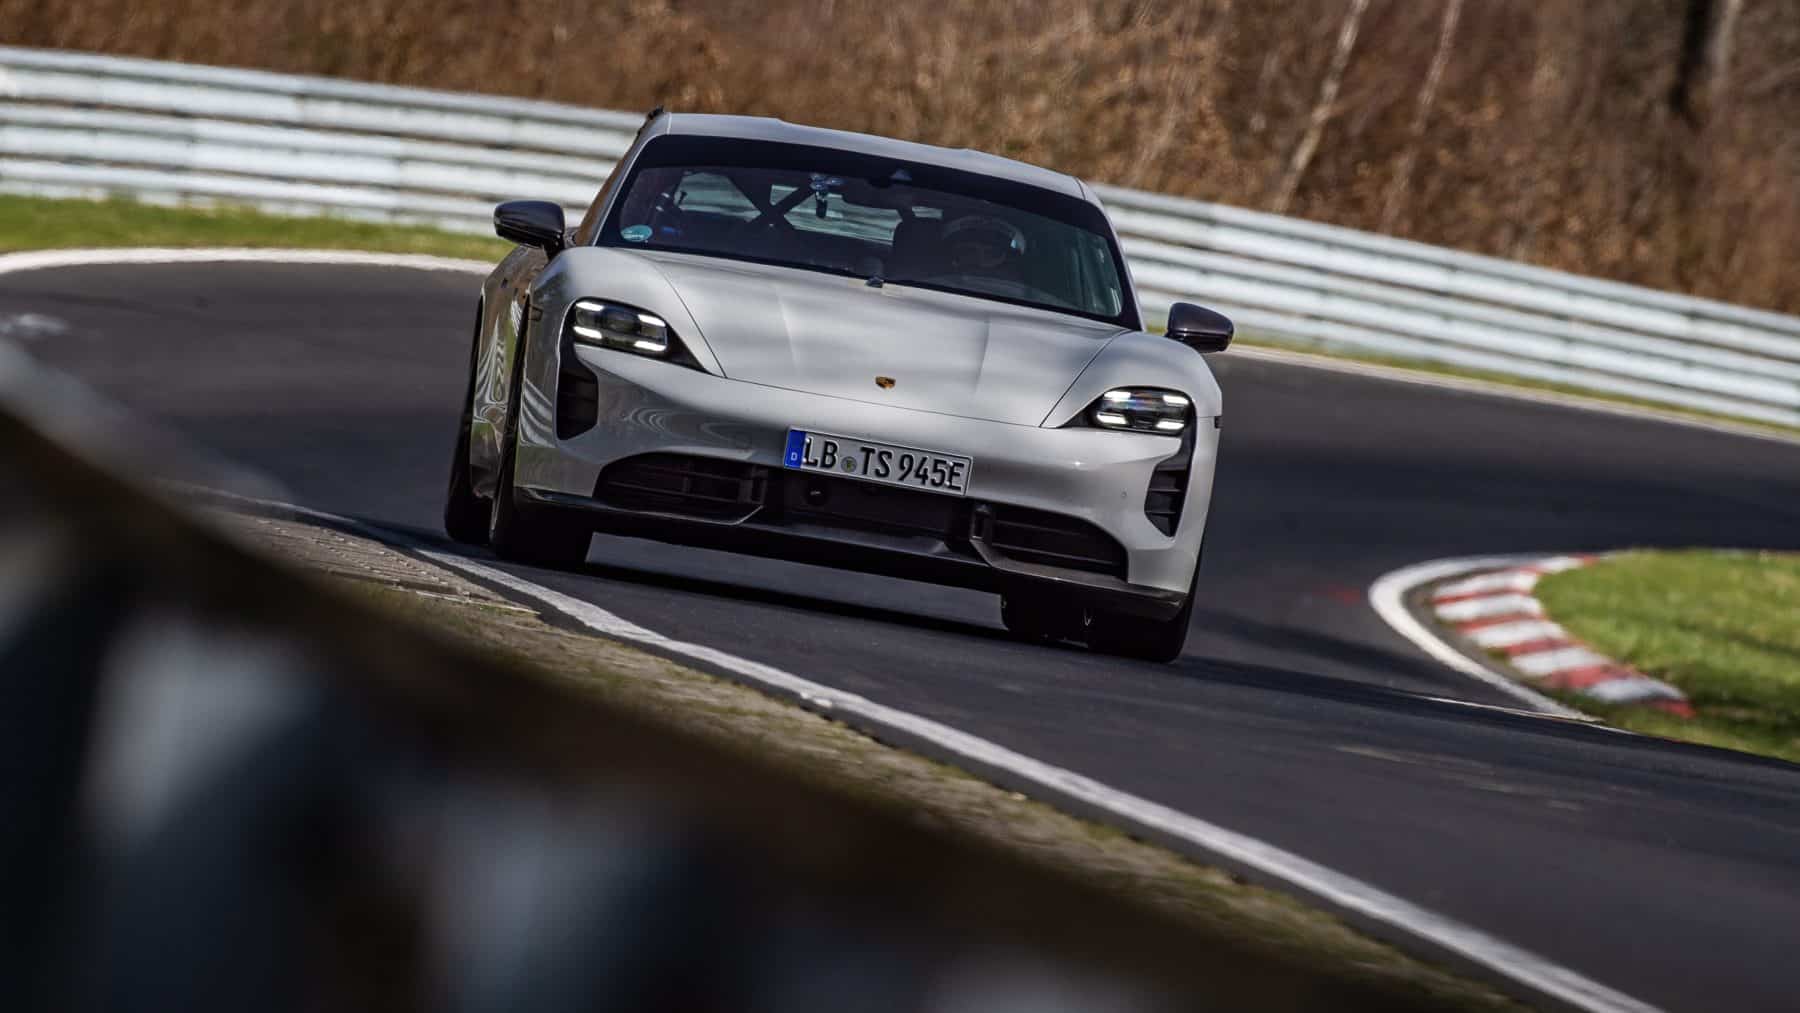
1724	627
35	223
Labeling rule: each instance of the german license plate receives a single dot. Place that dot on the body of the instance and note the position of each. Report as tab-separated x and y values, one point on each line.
907	467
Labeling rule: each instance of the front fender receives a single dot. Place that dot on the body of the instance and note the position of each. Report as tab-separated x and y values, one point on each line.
1139	359
598	272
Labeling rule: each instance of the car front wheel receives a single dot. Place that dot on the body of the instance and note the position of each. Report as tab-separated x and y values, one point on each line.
523	532
1147	639
532	534
1141	637
465	514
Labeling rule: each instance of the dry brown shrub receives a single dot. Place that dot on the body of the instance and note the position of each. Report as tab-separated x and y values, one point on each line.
1551	138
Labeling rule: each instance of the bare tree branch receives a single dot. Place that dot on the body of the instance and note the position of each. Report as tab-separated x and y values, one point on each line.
1773	81
1440	59
1185	84
1707	40
1259	116
1718	55
1322	108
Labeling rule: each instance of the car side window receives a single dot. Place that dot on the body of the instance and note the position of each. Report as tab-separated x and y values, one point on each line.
1099	282
709	193
687	208
590	222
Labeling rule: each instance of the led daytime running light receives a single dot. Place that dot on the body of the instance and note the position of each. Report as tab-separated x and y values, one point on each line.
622	327
1142	410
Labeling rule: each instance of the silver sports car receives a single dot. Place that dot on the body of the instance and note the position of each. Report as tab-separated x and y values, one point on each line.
852	351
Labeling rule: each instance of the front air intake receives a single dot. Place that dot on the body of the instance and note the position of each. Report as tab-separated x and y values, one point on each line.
1167	493
1047	539
577	395
577	400
704	487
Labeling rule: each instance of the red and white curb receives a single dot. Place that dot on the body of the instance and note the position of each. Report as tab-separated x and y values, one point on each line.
1496	611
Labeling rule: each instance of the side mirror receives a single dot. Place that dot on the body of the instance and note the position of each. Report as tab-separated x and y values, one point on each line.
531	222
1199	328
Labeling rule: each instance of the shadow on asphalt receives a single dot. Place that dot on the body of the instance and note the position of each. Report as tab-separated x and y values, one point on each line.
1393	703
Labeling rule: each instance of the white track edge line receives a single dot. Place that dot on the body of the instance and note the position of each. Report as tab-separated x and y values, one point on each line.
1349	895
1387	596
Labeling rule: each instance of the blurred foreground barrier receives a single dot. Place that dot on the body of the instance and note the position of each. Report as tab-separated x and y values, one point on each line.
224	787
81	125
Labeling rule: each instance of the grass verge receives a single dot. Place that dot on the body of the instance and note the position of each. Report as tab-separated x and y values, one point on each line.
1280	933
1724	627
35	223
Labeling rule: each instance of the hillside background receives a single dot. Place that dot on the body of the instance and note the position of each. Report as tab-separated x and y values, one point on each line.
1651	141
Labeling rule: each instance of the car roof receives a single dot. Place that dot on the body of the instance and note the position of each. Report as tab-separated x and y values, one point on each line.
764	128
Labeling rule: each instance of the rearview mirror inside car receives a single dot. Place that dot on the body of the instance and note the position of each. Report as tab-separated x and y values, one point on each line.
1199	328
536	223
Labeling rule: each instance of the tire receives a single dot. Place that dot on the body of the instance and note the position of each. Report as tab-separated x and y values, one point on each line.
1143	638
532	534
1140	637
466	514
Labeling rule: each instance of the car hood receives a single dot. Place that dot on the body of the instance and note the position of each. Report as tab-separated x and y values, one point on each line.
824	334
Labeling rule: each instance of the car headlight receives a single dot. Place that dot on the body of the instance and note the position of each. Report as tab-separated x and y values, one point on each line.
1142	409
626	328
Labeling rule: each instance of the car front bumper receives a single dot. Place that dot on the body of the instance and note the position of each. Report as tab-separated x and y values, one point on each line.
1094	477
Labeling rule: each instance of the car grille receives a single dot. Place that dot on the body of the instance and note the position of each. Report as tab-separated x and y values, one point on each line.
704	487
846	502
1047	539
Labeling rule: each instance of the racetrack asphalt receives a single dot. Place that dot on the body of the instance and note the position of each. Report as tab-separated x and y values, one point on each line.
1669	872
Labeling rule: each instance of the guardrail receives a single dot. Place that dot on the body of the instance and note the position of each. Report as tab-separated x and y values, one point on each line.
75	124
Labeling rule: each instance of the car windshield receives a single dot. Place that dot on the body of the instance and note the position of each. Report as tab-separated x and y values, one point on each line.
907	223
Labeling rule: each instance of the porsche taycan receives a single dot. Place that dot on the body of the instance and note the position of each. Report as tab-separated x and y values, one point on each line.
852	351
